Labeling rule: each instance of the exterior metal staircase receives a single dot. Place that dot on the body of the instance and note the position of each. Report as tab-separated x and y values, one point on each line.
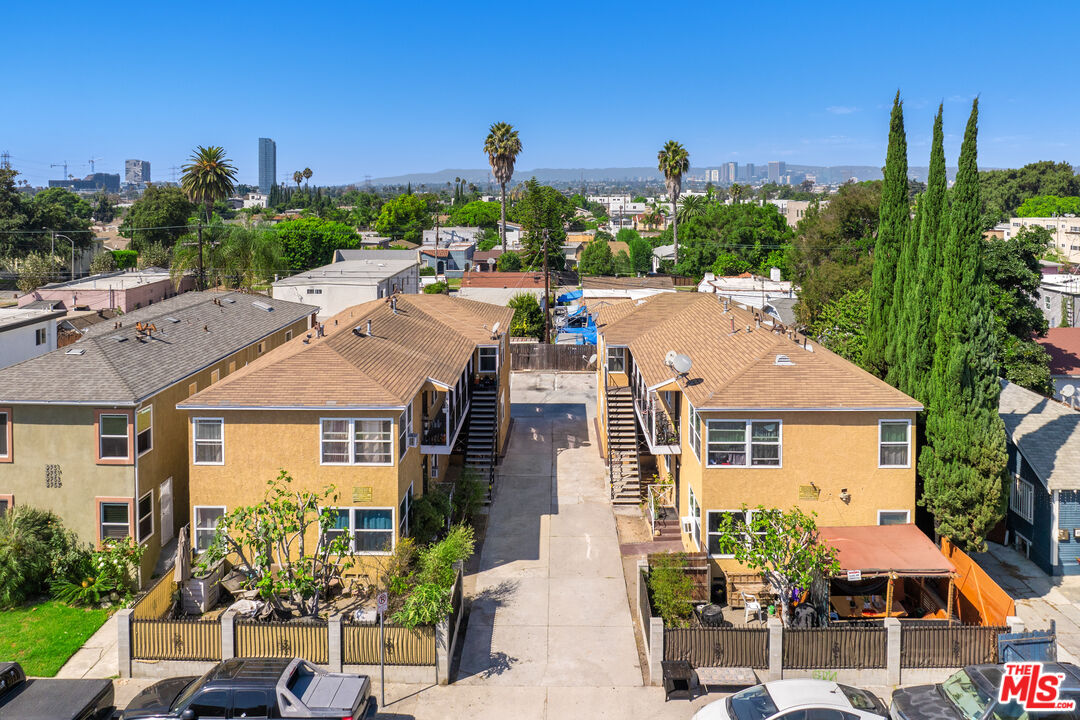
481	437
622	444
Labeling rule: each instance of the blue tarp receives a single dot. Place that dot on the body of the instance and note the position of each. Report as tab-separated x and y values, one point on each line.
567	297
575	311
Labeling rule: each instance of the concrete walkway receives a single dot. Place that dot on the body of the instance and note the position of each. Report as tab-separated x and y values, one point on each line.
97	657
1039	597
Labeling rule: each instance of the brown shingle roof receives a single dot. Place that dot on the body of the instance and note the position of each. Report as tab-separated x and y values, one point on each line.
656	282
504	280
1063	344
739	370
429	337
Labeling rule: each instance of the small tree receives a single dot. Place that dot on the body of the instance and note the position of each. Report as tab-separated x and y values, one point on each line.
36	270
784	546
103	263
528	320
155	255
672	589
272	539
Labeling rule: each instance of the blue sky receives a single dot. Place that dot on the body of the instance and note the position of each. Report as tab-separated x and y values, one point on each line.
355	89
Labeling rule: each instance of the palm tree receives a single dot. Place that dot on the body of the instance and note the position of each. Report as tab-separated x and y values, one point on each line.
692	207
502	146
673	161
298	177
307	173
736	191
208	177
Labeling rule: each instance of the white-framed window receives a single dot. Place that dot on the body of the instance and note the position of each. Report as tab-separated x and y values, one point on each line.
114	520
894	443
1022	498
345	441
695	430
404	512
714	534
405	426
489	359
695	516
145	513
616	359
370	530
113	436
208	438
41	336
144	430
743	443
207	518
1046	302
893	517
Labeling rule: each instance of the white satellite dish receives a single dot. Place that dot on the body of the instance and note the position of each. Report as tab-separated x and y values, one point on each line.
670	357
1068	391
592	358
495	329
682	364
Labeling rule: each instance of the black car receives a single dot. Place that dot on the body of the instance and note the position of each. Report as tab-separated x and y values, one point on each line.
52	698
972	694
256	688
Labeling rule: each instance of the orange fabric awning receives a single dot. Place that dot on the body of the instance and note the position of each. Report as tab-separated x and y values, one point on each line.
901	550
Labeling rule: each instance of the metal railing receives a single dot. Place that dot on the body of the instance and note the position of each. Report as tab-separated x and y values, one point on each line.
834	647
719	647
948	646
175	639
360	645
659	495
308	640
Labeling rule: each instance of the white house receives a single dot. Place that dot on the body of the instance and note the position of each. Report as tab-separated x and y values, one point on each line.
332	288
750	290
26	332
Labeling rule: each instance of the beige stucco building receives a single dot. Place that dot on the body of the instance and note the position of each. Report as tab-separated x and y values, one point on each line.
91	431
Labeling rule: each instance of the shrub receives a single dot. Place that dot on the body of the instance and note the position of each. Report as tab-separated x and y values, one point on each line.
125	259
427	271
430	515
427	604
102	263
34	546
436	288
671	589
436	561
469	493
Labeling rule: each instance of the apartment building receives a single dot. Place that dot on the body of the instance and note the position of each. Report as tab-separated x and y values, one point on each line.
1064	233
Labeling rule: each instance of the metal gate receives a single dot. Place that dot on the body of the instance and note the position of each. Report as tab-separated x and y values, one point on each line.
1035	645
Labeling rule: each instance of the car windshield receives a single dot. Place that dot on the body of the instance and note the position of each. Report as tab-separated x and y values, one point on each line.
968	698
189	690
751	704
862	700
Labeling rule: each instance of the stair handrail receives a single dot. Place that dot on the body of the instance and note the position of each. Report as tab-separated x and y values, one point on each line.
658	494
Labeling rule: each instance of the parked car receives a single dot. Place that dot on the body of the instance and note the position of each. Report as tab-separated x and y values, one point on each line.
971	694
52	699
797	700
256	688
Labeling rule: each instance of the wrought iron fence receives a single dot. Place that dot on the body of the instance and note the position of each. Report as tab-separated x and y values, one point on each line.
718	647
175	639
948	646
403	646
834	647
308	640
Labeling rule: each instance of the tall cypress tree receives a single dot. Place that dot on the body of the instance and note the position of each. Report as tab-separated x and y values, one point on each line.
919	323
963	463
892	227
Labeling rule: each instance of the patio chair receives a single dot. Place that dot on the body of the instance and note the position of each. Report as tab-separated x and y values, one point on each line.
751	608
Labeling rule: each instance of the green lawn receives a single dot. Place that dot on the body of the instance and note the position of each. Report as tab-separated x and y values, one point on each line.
42	637
453	283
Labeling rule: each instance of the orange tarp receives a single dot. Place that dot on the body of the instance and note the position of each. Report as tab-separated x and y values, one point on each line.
980	599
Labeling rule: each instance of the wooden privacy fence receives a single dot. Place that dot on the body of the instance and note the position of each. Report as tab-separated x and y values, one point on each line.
360	645
718	647
456	598
823	648
949	646
175	639
156	601
308	640
541	356
644	606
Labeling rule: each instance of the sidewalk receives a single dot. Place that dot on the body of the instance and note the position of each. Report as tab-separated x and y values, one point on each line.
97	657
1039	597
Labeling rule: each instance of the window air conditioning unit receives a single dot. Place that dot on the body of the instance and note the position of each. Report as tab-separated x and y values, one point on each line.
412	440
687	524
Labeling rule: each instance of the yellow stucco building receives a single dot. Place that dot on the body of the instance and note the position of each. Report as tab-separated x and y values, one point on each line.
374	405
741	411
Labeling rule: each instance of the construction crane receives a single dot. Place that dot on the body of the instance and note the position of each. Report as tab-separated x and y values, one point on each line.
91	162
63	165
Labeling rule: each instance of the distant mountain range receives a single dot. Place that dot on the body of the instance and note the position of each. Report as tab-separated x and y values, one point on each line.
482	176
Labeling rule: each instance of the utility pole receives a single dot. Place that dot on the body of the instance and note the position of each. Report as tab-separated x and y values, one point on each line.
547	304
201	279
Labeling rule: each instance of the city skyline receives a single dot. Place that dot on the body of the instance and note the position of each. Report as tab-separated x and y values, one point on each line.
426	114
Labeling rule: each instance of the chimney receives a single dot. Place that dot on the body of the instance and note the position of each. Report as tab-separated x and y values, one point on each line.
369	328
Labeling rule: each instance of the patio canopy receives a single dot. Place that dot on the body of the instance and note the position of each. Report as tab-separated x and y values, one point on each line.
895	550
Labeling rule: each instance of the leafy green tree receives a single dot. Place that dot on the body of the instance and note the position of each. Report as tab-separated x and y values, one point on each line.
693	206
102	263
310	242
921	298
542	212
785	546
502	146
35	270
62	211
487	239
1049	206
14	215
528	320
729	263
155	255
881	352
623	264
436	288
671	589
476	214
509	261
104	210
963	463
756	234
596	258
404	218
159	216
673	161
1003	192
841	325
1012	270
640	250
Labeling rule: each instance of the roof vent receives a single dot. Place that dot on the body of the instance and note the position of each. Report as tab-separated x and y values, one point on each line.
229	300
262	306
172	319
784	360
76	351
117	338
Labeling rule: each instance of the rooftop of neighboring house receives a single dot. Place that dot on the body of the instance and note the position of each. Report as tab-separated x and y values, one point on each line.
123	365
745	282
784	307
79	320
435	252
1046	432
656	282
425	337
12	318
1062	282
117	280
376	254
1063	344
351	272
497	279
737	363
485	255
